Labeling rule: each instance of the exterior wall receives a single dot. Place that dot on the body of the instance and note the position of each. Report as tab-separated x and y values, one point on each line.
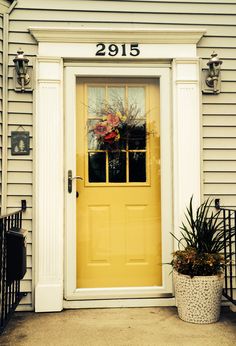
219	111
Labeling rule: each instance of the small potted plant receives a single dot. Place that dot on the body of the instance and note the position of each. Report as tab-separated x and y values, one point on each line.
198	265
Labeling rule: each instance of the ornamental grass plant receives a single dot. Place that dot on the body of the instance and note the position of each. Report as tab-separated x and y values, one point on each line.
204	236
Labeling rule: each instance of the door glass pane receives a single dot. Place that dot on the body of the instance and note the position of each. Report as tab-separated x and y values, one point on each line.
96	99
136	98
117	167
116	94
137	167
93	143
137	139
97	167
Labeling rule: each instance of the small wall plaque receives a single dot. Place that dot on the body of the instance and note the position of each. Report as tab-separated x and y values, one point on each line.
20	143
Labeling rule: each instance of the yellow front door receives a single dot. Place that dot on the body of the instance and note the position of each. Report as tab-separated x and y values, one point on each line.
118	200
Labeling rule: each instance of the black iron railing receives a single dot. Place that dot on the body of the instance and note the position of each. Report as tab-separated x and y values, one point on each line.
10	295
229	223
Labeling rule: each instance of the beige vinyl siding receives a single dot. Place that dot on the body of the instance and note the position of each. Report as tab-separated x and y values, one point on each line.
219	111
4	5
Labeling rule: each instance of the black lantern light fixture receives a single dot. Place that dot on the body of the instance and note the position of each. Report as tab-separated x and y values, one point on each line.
213	75
22	78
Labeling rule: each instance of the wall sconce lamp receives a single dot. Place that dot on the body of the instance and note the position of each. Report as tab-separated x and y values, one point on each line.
212	75
22	73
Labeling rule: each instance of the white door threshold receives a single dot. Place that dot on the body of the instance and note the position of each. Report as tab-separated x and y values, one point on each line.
118	303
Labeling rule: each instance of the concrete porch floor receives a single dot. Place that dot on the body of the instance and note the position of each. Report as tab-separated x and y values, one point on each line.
115	327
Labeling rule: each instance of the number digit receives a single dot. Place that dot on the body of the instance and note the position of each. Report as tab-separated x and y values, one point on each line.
113	50
134	49
101	51
123	49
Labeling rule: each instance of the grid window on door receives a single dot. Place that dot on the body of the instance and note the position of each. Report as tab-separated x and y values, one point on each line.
116	140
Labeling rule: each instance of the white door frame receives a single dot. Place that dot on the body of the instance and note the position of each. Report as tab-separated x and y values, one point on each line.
49	160
163	74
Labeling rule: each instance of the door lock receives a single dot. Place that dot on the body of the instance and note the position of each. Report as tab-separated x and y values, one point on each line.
70	180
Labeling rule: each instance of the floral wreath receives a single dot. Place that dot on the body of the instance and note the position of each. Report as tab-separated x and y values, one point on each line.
118	122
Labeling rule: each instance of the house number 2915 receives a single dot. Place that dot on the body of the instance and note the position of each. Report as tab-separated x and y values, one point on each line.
115	49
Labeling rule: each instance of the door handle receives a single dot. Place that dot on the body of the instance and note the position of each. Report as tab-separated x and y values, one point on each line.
70	180
77	177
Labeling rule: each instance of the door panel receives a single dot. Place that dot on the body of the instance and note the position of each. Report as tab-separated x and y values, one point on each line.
119	203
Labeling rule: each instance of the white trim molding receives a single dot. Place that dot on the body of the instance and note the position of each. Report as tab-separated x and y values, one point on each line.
56	44
186	137
49	193
116	35
82	43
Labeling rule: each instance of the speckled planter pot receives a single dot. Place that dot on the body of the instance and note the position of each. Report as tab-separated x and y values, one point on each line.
199	298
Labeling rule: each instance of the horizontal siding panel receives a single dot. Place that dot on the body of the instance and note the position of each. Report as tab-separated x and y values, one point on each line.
220	166
123	17
20	178
20	166
221	98
219	109
29	262
220	177
19	190
220	189
29	49
26	286
20	107
220	132
223	53
128	6
228	87
15	202
228	75
27	224
212	154
29	235
21	37
219	120
20	119
29	249
220	143
19	97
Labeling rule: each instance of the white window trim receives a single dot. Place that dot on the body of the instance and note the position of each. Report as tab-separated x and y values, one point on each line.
50	179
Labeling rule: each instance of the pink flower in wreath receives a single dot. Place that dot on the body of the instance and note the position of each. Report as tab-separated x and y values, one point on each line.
101	129
113	120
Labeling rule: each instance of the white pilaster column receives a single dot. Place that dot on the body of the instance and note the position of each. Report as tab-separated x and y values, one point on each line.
48	144
186	137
